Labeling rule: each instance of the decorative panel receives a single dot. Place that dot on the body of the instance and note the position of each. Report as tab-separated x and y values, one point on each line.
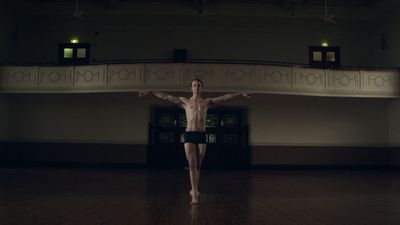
56	76
212	120
343	80
182	137
212	138
308	79
166	137
182	119
274	77
19	77
208	73
381	81
90	76
162	75
166	120
231	138
125	75
230	120
239	76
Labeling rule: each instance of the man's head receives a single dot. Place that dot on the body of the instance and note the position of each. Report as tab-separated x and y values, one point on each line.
197	85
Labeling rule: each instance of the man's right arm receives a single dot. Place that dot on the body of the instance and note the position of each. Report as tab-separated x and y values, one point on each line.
162	95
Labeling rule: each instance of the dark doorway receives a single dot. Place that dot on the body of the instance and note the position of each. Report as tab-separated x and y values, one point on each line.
227	138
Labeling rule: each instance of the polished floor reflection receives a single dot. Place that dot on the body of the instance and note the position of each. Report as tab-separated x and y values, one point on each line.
33	196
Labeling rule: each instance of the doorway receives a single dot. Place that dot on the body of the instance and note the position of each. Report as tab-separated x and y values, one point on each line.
227	138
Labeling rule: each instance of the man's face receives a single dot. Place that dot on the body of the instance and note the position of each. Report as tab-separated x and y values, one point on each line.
196	86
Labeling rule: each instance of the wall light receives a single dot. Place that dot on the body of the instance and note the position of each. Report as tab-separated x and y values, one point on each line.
74	40
324	43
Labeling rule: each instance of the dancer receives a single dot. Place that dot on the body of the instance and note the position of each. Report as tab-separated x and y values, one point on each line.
195	136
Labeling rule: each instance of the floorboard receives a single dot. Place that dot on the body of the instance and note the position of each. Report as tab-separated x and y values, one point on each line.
83	196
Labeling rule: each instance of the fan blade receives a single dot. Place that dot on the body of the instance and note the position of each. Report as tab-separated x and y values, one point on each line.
331	16
331	21
79	15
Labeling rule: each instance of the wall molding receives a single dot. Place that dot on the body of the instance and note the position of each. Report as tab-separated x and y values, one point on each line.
217	77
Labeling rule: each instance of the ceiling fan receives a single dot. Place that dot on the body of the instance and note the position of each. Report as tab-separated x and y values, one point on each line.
328	18
78	14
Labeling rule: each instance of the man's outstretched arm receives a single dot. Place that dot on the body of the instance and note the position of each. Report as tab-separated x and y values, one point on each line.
227	97
162	95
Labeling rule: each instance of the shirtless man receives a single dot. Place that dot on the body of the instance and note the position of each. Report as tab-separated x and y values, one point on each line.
195	135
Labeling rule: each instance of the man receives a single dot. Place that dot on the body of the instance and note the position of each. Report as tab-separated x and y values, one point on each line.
195	136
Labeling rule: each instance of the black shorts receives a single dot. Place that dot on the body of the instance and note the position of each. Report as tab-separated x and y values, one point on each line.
195	137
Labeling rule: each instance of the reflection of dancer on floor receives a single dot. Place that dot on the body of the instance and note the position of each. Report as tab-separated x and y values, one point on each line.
195	135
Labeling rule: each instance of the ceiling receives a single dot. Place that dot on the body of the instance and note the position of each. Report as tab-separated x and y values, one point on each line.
334	3
342	9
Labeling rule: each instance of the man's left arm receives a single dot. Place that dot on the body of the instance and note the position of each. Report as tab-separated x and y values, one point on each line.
226	97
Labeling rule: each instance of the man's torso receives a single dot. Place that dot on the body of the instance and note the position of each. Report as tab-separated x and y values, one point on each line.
196	113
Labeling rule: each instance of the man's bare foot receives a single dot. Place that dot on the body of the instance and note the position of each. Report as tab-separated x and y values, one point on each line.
195	197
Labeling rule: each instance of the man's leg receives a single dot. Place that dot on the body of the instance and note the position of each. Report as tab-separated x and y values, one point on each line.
191	156
201	154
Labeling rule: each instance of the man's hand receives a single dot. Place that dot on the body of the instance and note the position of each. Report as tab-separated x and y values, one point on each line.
247	95
142	93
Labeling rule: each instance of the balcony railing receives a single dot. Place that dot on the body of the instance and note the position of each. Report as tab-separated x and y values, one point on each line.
217	76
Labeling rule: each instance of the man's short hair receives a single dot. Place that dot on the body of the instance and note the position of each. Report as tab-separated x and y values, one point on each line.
198	80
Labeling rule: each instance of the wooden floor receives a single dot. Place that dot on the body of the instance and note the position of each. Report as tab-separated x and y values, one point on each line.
55	196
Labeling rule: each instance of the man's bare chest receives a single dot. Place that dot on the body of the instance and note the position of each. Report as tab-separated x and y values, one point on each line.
197	106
